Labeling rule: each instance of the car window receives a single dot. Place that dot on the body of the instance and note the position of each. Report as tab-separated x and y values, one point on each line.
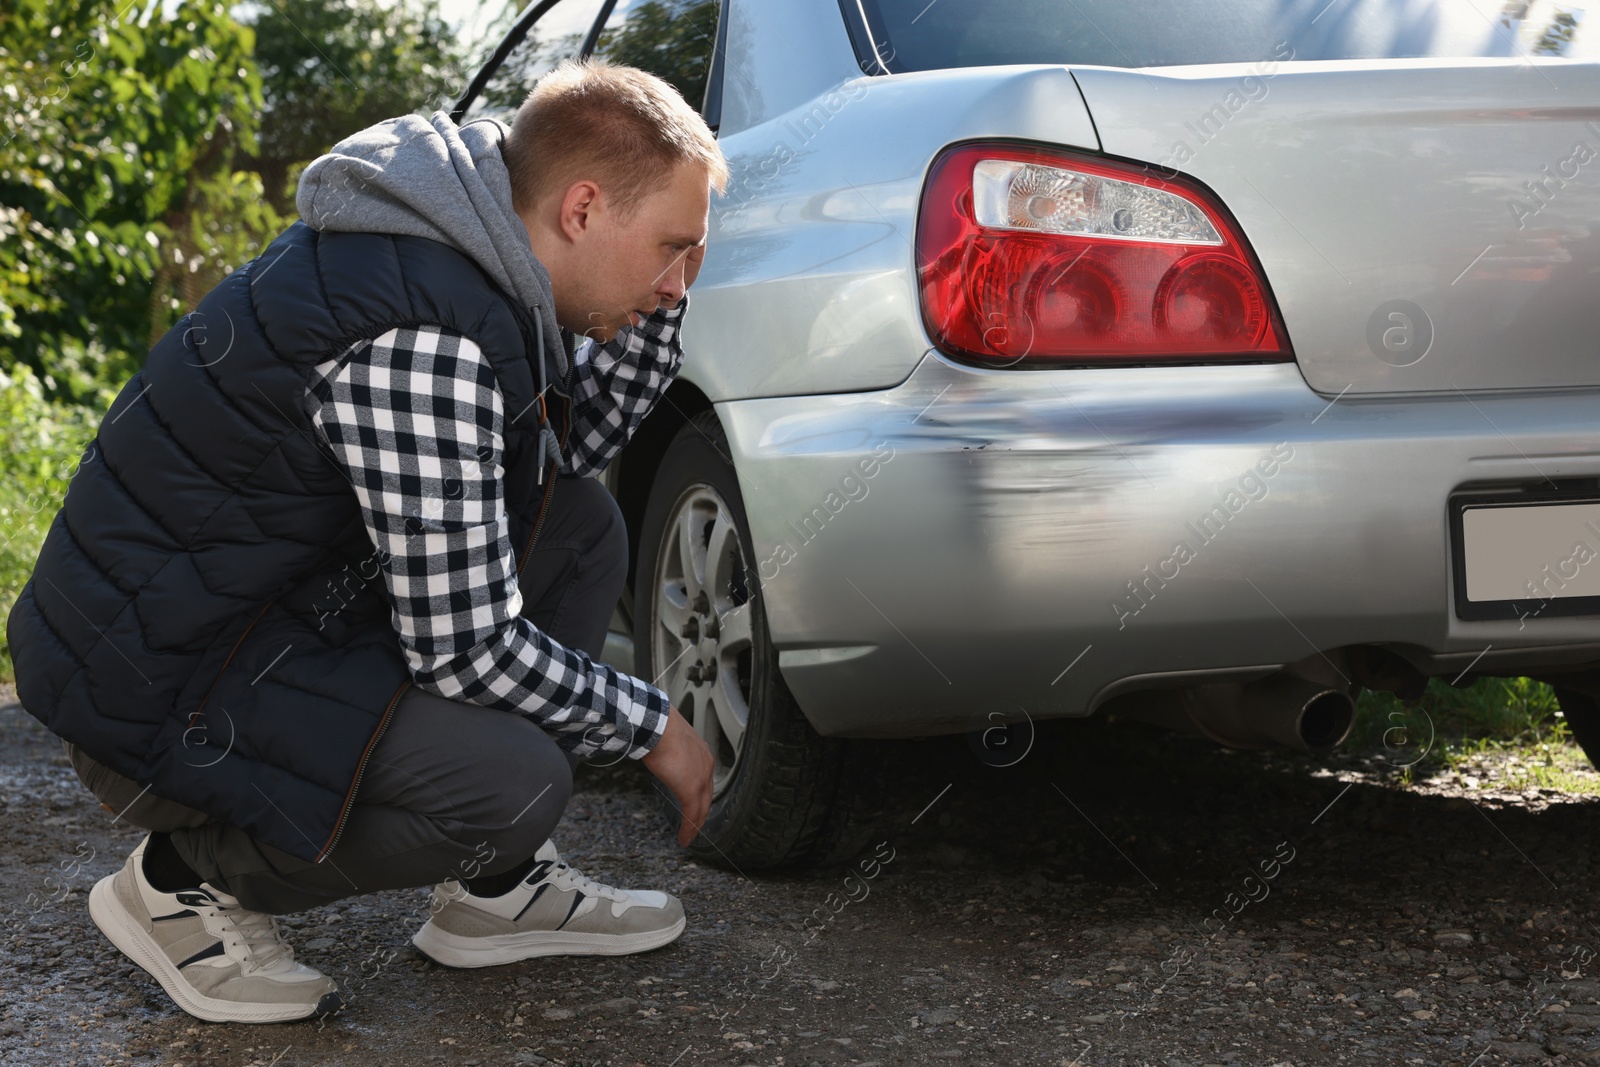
557	35
672	39
918	35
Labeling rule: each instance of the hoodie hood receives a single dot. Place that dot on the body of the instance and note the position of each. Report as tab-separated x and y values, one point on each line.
427	177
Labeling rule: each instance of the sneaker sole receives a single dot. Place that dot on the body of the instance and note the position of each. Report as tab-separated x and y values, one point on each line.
123	931
454	950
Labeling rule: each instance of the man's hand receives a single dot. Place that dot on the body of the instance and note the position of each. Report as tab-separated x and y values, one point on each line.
683	763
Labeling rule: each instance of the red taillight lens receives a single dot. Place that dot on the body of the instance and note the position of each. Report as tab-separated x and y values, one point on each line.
1038	256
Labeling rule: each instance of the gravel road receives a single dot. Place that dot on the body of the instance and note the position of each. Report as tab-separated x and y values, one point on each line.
1116	896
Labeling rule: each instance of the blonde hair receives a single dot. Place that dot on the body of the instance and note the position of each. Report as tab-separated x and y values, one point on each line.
622	127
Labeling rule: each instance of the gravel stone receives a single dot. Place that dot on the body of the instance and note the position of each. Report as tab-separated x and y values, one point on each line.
1122	927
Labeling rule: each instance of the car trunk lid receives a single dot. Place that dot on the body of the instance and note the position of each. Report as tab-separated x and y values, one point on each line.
1426	226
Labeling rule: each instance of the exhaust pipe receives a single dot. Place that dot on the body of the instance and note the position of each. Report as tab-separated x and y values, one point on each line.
1281	710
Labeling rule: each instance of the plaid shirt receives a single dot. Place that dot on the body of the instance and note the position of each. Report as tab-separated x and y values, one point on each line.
416	420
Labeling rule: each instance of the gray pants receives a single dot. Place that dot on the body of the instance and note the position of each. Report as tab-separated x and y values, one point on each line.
451	789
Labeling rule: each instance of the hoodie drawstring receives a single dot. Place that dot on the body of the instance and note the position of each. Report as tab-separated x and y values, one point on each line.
547	436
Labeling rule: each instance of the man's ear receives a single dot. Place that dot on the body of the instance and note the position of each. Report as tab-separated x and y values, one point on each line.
579	208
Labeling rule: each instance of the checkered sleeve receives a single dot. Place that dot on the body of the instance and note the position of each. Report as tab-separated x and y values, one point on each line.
615	385
416	419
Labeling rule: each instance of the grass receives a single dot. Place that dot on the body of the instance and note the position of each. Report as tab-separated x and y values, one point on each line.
1502	734
41	444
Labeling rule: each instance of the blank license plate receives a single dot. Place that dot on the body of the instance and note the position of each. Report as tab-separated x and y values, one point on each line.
1540	556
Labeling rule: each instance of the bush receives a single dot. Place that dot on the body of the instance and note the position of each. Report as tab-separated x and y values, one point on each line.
1516	711
41	444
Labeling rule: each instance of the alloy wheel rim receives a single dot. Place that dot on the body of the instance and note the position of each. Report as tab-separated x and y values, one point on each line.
700	626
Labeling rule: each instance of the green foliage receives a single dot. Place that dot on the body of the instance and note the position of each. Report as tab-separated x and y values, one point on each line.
511	82
1512	710
1500	733
1557	36
41	445
131	182
117	184
132	177
672	40
332	67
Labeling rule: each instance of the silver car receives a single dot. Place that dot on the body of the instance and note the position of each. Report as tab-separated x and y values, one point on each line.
1209	360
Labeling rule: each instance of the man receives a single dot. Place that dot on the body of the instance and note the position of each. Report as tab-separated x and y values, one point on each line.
322	610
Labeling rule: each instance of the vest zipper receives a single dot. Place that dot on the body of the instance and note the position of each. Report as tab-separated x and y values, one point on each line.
349	797
550	482
220	670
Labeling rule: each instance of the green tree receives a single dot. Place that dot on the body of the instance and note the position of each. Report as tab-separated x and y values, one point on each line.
511	82
119	192
332	67
672	39
128	188
1557	36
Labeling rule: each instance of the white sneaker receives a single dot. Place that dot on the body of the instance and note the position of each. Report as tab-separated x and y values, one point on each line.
216	960
554	911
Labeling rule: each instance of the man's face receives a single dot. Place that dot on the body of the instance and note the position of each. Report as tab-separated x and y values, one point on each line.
628	265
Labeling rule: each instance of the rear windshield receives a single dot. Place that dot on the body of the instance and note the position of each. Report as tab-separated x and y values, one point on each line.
919	35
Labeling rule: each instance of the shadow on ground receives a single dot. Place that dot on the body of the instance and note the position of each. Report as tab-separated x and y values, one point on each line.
1118	896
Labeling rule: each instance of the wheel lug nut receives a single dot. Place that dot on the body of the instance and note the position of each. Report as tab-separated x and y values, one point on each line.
693	673
690	630
702	603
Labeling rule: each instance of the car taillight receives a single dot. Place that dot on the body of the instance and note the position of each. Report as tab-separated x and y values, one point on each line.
1046	256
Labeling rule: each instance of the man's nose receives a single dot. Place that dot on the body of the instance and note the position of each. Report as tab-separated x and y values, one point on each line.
670	291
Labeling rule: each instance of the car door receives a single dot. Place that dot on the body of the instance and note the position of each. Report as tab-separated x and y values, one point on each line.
676	40
544	33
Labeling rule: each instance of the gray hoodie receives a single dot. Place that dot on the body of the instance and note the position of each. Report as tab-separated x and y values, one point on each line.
426	177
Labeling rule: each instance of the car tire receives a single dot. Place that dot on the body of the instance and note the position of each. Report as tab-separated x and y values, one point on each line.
775	789
1581	709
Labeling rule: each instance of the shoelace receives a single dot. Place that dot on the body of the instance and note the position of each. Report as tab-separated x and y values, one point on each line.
570	877
258	933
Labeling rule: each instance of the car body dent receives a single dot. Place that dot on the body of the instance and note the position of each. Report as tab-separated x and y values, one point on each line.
998	542
982	568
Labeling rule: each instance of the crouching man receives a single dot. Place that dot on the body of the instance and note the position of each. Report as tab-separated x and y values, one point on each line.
322	607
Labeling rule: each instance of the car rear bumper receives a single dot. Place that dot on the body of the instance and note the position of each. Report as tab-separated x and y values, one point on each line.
977	540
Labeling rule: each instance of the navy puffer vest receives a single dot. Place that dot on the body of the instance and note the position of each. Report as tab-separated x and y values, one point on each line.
207	616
